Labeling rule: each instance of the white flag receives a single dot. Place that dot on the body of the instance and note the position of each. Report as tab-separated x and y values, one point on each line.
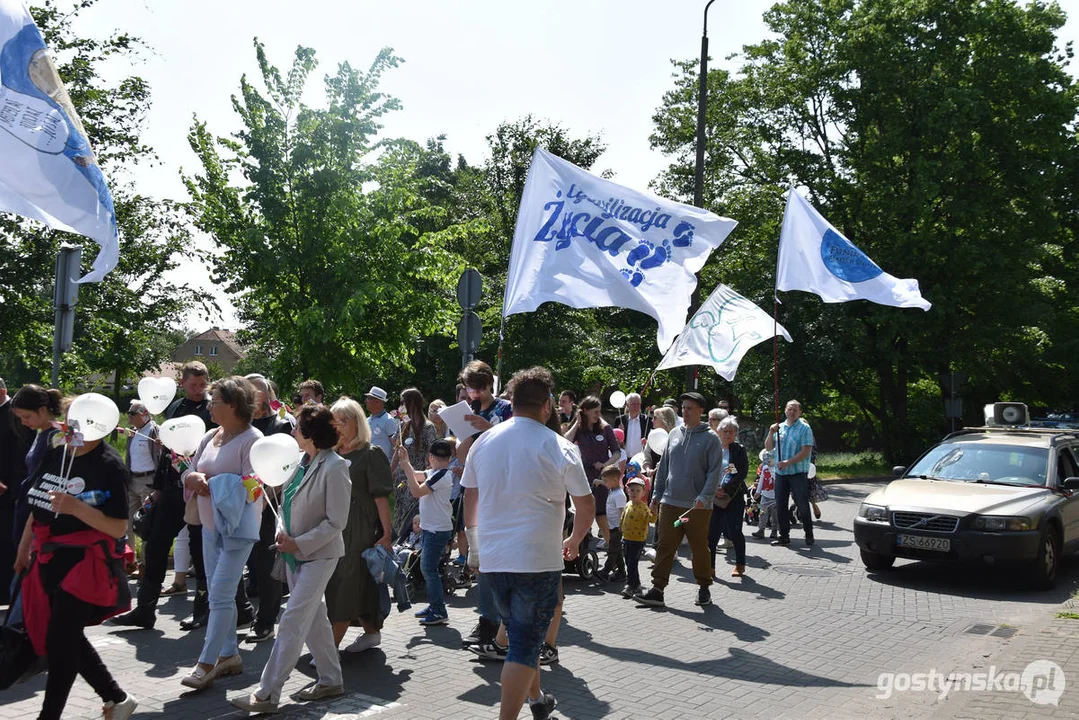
816	258
47	170
721	332
587	242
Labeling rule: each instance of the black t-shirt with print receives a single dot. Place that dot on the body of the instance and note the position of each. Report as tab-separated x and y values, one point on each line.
100	469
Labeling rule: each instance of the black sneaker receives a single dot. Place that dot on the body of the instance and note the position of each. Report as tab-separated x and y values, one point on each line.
548	654
630	590
258	635
603	575
782	541
137	618
543	709
482	634
704	597
759	534
618	576
491	651
809	540
652	598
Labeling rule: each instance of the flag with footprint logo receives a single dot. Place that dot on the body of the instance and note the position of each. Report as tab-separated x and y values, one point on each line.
584	241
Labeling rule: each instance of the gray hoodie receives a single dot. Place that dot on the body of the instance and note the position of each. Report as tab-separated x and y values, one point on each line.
691	468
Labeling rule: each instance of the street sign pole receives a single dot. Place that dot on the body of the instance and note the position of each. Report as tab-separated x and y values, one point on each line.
469	330
65	295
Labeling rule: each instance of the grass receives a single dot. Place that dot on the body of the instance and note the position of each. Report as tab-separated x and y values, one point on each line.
1068	615
844	465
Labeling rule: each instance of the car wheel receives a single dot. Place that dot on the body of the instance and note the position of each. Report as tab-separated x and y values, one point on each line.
1043	576
875	561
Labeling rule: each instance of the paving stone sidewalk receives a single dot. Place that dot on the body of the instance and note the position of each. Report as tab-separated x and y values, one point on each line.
806	634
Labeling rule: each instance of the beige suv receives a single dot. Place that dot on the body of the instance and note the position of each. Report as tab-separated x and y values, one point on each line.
991	496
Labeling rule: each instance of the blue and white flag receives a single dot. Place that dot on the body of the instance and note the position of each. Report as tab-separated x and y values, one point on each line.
721	332
47	170
588	242
816	258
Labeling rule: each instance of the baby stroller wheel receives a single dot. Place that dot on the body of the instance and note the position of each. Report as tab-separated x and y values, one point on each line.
794	515
586	565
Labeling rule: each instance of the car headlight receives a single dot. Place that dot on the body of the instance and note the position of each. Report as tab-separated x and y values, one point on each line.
875	513
991	523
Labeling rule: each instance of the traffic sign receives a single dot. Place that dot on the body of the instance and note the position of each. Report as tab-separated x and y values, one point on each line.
469	289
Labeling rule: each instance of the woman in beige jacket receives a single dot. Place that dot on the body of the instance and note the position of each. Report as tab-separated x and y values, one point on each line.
314	511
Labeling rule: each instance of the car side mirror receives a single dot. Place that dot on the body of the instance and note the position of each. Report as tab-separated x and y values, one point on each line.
898	470
1071	483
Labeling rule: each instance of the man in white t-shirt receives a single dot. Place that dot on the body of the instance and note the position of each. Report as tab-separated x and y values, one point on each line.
516	480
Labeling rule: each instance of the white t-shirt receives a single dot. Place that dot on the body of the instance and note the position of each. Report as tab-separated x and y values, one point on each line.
435	512
522	471
616	500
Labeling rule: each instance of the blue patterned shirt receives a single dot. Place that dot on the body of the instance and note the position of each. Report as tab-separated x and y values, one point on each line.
792	438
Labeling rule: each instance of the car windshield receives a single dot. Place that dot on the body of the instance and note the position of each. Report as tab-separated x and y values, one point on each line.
976	462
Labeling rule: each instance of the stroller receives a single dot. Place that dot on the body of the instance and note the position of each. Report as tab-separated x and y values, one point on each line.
410	566
587	561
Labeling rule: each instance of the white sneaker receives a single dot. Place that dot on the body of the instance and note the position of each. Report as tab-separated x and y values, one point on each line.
120	711
366	641
649	554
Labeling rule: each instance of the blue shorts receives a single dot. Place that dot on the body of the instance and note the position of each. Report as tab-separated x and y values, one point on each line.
525	603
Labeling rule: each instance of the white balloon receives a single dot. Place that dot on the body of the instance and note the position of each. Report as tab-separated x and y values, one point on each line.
618	399
156	393
812	470
657	440
183	434
96	414
275	459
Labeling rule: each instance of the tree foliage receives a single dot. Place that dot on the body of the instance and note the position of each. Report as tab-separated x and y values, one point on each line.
330	239
939	135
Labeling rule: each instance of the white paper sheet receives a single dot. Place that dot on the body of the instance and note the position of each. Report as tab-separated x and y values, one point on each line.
454	416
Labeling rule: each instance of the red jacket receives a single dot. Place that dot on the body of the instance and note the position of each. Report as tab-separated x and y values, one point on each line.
97	579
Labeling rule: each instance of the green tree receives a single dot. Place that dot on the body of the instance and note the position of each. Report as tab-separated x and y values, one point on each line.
115	318
332	245
939	135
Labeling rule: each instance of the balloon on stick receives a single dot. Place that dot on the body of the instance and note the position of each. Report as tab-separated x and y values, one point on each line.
182	435
657	440
275	459
618	399
156	393
96	415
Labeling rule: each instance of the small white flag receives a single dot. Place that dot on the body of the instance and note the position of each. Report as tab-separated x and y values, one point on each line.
47	170
816	258
721	333
588	242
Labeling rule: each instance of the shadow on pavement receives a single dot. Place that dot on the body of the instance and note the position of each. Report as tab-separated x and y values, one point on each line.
985	583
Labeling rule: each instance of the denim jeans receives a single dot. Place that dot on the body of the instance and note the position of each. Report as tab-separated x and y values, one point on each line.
526	603
487	598
224	568
433	545
796	485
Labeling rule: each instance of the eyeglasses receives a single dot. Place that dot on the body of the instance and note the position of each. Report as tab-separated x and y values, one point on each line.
133	413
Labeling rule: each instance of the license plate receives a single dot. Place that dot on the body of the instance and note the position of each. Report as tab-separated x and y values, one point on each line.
924	543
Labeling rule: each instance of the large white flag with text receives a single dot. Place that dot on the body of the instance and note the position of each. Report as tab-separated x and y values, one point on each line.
47	170
817	258
721	332
588	242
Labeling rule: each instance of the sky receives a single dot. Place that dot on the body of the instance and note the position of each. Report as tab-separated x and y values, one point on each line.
592	66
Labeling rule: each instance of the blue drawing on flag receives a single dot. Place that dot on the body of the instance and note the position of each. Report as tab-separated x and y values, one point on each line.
844	260
564	226
38	112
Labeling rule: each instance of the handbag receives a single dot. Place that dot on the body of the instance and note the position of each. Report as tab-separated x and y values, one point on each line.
278	571
722	502
143	520
18	661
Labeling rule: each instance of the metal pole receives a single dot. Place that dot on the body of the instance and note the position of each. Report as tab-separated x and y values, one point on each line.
698	175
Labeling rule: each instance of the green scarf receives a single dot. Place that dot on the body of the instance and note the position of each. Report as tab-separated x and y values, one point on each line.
286	511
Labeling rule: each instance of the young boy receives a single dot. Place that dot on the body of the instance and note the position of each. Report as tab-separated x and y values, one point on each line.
433	488
614	569
634	530
765	492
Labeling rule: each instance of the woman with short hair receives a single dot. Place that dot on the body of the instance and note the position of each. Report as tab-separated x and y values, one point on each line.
224	450
727	517
352	594
314	511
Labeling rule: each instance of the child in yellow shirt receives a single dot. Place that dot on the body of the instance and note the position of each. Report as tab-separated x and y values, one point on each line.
634	524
